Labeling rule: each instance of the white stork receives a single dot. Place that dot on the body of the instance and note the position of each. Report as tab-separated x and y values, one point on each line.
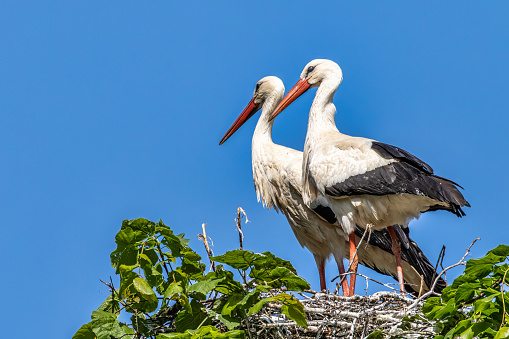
365	182
277	174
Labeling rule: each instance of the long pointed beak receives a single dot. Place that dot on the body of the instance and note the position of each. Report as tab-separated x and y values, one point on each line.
247	113
300	88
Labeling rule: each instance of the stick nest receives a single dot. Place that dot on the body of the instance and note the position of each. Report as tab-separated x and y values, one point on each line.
383	314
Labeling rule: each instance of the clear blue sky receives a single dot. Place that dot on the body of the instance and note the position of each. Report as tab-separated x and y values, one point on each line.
114	109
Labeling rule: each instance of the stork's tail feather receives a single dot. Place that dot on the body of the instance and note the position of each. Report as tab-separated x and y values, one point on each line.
378	255
452	195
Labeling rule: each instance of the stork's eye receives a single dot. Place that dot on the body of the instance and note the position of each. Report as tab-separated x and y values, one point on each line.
310	69
257	87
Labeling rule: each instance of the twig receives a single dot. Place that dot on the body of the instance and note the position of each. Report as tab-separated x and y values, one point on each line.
441	255
432	289
422	285
163	261
378	282
442	266
238	222
203	237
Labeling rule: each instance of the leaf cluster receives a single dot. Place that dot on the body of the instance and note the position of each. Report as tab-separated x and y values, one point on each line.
475	304
166	292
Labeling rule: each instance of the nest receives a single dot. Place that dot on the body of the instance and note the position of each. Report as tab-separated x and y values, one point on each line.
331	316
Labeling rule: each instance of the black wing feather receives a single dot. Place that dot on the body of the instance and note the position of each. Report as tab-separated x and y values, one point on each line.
326	213
407	175
392	152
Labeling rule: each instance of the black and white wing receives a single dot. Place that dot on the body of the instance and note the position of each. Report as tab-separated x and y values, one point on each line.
402	173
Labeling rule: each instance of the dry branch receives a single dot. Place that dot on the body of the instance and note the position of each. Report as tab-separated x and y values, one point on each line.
203	237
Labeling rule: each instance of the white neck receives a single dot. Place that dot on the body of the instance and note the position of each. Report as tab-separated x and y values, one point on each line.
263	131
323	111
262	154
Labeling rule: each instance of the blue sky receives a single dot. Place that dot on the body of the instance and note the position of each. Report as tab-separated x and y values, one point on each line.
114	110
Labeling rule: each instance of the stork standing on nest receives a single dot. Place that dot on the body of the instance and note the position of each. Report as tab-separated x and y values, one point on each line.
364	182
277	175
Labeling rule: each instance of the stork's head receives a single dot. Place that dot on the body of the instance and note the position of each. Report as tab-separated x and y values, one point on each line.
314	74
269	89
318	70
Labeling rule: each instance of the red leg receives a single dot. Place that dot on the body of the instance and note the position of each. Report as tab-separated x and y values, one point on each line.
354	260
321	273
396	249
341	268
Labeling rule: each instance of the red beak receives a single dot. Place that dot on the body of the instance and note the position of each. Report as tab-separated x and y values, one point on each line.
300	88
247	113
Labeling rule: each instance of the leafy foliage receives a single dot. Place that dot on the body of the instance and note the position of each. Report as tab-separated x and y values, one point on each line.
167	292
475	305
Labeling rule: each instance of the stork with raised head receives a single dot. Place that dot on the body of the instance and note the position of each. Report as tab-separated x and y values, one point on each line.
277	174
365	182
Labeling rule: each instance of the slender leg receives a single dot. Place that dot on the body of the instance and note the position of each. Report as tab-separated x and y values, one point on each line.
396	249
341	268
320	263
354	260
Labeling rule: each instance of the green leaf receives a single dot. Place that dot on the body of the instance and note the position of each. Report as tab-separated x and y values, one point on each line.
191	320
127	256
203	332
111	303
126	278
431	304
173	289
447	310
192	267
173	242
229	322
480	327
141	225
466	292
502	250
205	286
468	333
105	325
482	305
376	335
269	260
294	310
147	326
183	242
460	327
502	333
229	285
85	332
283	297
143	287
480	268
232	303
237	259
282	276
152	274
192	256
125	237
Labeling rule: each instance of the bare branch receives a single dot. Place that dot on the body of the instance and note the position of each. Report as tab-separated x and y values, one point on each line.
203	237
432	289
